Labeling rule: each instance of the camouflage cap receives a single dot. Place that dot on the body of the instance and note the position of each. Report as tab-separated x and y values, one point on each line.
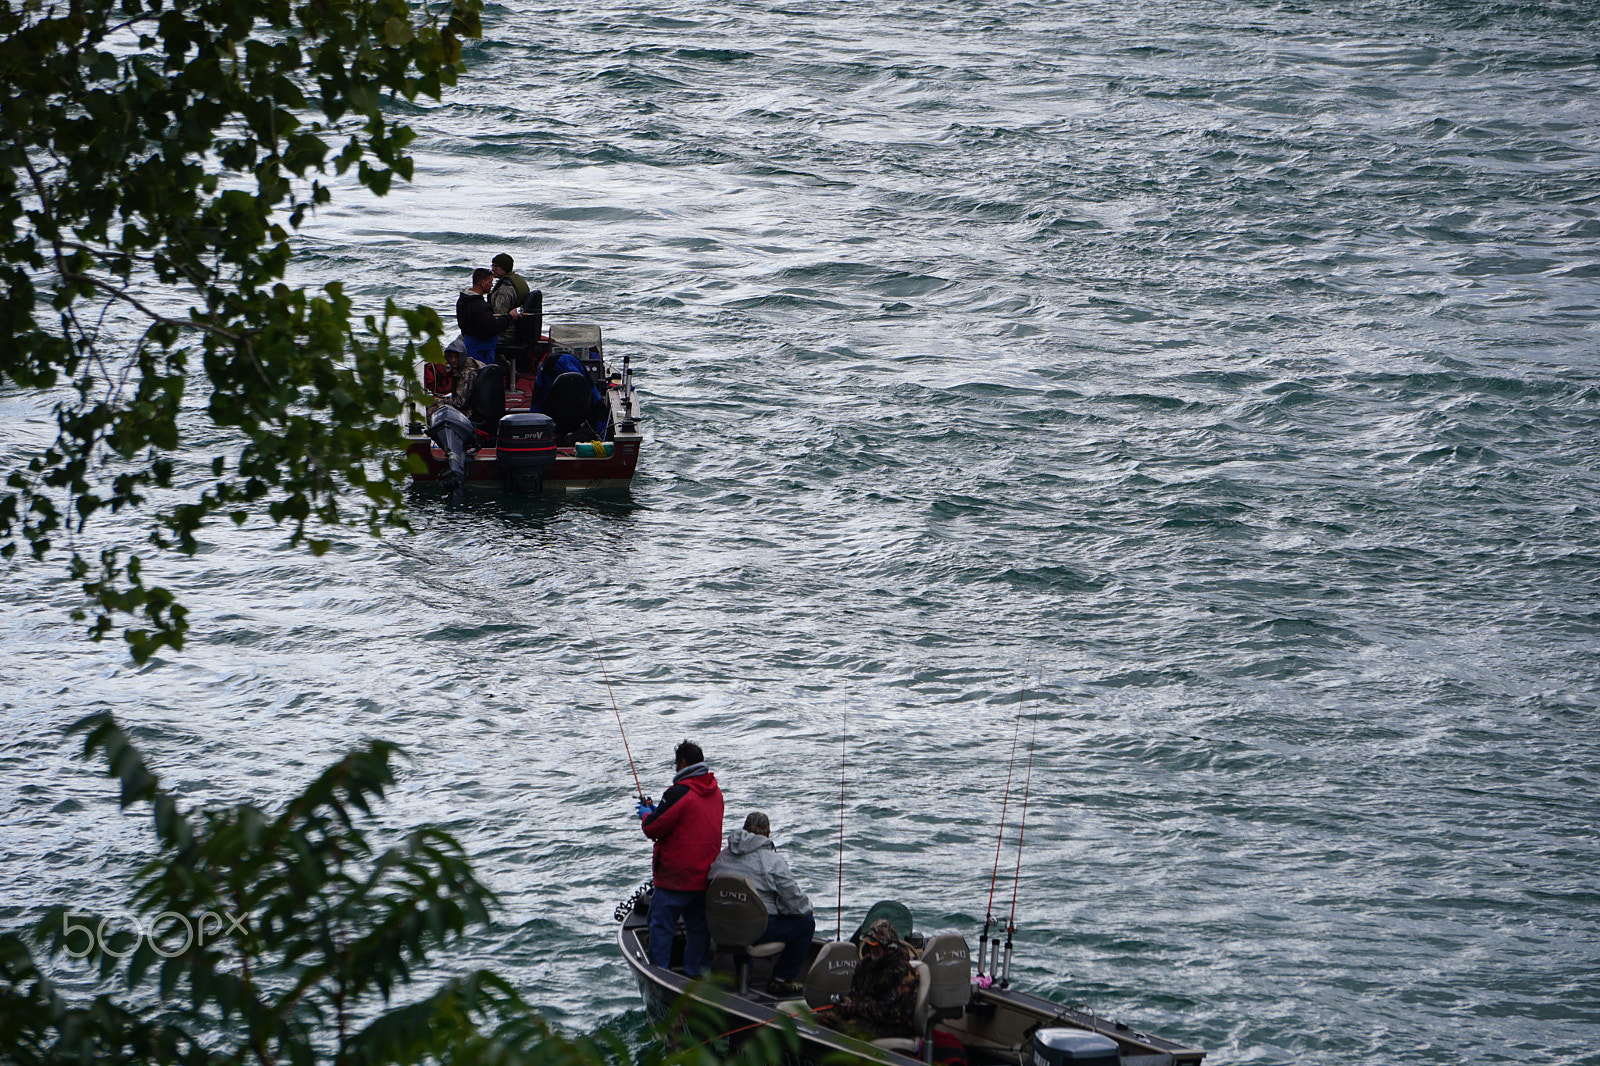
881	934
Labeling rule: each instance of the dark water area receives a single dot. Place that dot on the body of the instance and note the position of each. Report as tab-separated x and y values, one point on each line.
1215	385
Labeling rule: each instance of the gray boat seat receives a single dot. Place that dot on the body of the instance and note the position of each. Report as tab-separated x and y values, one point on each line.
949	963
736	918
919	1017
828	980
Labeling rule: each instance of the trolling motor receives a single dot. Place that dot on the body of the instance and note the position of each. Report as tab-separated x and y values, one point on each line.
453	432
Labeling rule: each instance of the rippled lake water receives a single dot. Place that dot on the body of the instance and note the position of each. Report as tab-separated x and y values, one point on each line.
1216	385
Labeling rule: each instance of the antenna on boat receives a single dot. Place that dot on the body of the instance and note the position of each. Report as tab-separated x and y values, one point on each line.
607	678
1022	828
844	735
994	875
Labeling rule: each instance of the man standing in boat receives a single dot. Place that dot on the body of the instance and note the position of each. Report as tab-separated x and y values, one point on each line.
751	854
687	828
508	292
480	327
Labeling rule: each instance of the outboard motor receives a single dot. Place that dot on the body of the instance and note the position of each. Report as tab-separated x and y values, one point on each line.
1071	1047
526	445
454	432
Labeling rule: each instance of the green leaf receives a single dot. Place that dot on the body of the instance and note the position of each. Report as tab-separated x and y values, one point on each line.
398	31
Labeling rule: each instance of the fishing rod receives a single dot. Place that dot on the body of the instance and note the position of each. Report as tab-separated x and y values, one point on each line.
1022	828
607	678
1005	799
843	736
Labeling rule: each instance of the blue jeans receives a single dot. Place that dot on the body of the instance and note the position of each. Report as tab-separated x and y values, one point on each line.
795	930
665	908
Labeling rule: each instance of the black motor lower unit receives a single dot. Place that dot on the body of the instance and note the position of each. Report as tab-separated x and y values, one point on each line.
526	445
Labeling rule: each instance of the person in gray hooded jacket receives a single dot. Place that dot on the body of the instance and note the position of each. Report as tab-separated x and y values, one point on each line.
750	853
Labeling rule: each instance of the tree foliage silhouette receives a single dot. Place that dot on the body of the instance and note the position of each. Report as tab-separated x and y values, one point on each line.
155	159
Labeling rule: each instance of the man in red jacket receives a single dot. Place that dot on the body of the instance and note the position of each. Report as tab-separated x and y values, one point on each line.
687	828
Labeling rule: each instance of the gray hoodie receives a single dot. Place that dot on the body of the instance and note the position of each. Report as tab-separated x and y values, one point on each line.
754	856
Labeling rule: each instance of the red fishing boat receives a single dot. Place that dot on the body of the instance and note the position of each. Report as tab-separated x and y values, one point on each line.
530	429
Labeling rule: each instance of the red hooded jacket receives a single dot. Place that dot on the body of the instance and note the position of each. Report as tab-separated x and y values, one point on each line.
687	829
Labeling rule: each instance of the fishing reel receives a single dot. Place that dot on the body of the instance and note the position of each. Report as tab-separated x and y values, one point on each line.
638	901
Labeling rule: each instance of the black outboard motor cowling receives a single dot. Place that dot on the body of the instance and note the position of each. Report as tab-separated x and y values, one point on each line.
453	431
526	446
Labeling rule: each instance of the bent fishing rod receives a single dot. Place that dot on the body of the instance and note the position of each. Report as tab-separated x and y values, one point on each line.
638	788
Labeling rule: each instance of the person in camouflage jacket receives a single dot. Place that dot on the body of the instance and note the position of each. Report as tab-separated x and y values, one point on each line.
883	992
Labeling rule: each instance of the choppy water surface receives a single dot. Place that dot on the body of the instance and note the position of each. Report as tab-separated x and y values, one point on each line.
1216	383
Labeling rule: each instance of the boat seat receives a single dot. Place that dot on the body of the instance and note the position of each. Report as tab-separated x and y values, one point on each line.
736	918
898	914
828	980
517	352
530	327
949	963
569	401
920	1022
489	398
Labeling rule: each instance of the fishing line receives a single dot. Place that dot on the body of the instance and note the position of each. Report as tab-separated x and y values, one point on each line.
607	678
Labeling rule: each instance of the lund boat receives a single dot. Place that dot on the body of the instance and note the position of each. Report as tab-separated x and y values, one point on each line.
962	1018
518	440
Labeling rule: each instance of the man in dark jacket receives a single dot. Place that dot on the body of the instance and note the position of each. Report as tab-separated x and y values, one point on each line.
480	327
687	828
